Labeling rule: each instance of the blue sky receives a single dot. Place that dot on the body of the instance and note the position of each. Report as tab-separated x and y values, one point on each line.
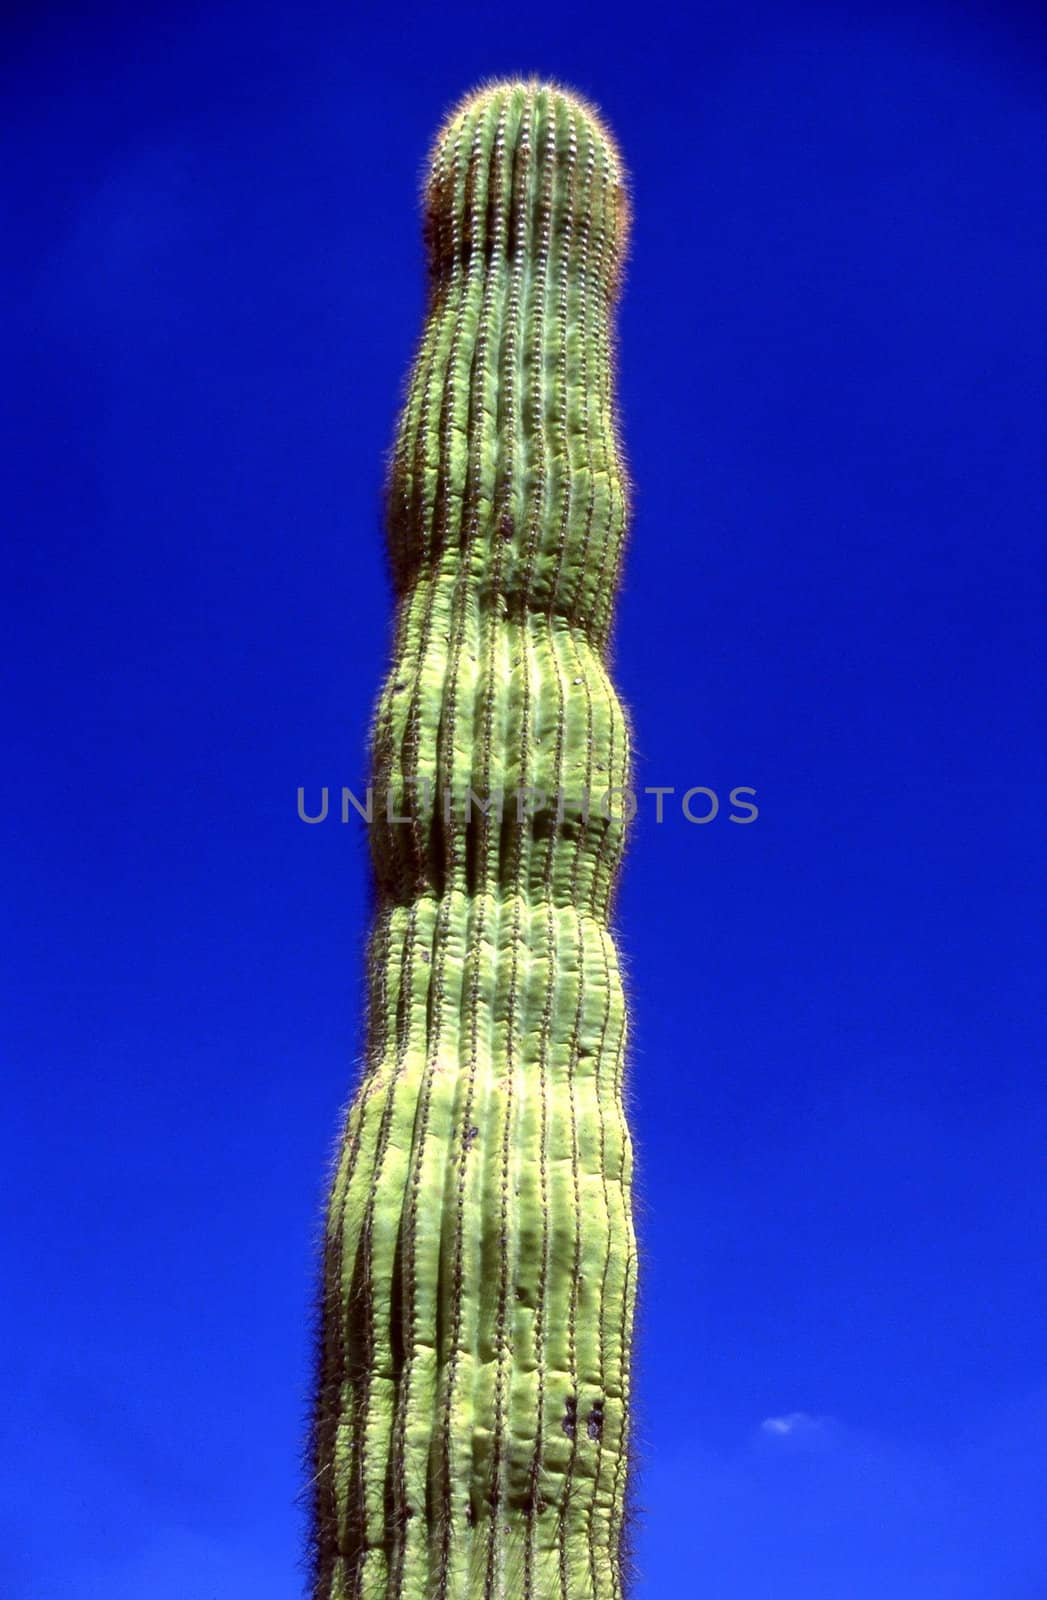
833	377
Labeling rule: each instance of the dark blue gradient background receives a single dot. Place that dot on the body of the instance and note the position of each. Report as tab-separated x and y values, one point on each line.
833	375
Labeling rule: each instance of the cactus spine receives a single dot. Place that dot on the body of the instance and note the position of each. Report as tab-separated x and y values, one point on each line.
472	1409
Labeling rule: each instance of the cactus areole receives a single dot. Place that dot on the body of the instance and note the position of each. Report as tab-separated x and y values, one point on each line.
472	1412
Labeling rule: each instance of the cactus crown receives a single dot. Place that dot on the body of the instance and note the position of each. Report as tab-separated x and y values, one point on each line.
513	115
526	220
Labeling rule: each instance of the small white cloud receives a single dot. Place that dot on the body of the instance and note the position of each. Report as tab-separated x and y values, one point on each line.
792	1422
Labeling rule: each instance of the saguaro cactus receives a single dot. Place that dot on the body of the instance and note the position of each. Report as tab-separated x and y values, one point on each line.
472	1408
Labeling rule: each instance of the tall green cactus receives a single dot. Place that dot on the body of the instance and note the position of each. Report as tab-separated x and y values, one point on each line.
472	1410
